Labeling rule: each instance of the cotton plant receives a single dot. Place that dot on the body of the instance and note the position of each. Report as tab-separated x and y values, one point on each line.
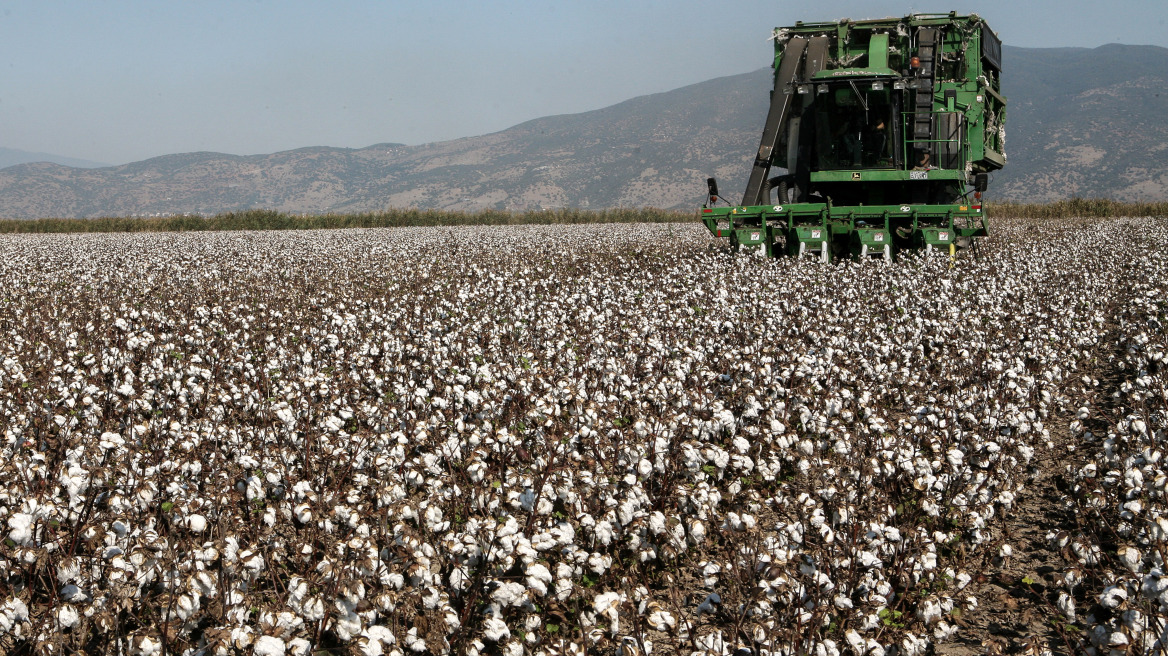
562	438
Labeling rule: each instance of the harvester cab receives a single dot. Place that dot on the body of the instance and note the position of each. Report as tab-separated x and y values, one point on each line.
886	132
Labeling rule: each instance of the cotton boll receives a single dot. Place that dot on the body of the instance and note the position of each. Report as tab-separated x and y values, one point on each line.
1066	605
509	593
1130	557
662	620
67	617
268	646
368	647
495	629
145	646
1112	596
929	610
21	528
381	634
413	641
303	513
196	523
538	578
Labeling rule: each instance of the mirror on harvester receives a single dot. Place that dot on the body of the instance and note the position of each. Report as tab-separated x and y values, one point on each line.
712	186
981	182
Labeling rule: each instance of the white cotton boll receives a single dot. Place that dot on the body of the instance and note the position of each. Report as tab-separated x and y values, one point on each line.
433	517
538	578
381	634
368	647
196	523
145	646
697	531
645	468
607	604
109	441
1112	596
929	610
13	612
458	578
657	522
1130	556
944	631
21	525
303	513
604	533
527	500
254	489
1066	605
186	606
662	620
1154	584
963	580
299	647
67	617
510	593
869	560
914	646
495	629
856	642
842	602
268	646
313	609
413	641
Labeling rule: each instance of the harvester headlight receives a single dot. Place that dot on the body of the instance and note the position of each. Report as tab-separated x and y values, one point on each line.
898	85
804	89
877	86
821	88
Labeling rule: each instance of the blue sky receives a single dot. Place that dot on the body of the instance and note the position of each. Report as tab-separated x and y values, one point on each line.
119	81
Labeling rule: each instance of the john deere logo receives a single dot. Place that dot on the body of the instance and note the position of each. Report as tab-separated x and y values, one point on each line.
856	175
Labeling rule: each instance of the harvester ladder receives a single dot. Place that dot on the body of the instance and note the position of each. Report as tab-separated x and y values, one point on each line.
923	105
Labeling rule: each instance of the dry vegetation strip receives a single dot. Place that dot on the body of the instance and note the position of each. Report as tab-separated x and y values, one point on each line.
273	220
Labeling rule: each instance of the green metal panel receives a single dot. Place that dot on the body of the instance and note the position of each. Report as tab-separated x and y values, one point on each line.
881	134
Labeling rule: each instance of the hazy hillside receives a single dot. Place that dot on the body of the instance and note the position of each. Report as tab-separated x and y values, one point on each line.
1085	122
14	156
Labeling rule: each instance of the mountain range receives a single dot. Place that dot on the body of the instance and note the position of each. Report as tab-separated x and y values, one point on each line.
14	156
1081	123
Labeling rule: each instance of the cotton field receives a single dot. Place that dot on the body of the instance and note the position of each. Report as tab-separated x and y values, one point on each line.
605	439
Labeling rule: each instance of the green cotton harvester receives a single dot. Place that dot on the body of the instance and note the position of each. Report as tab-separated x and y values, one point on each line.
887	132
